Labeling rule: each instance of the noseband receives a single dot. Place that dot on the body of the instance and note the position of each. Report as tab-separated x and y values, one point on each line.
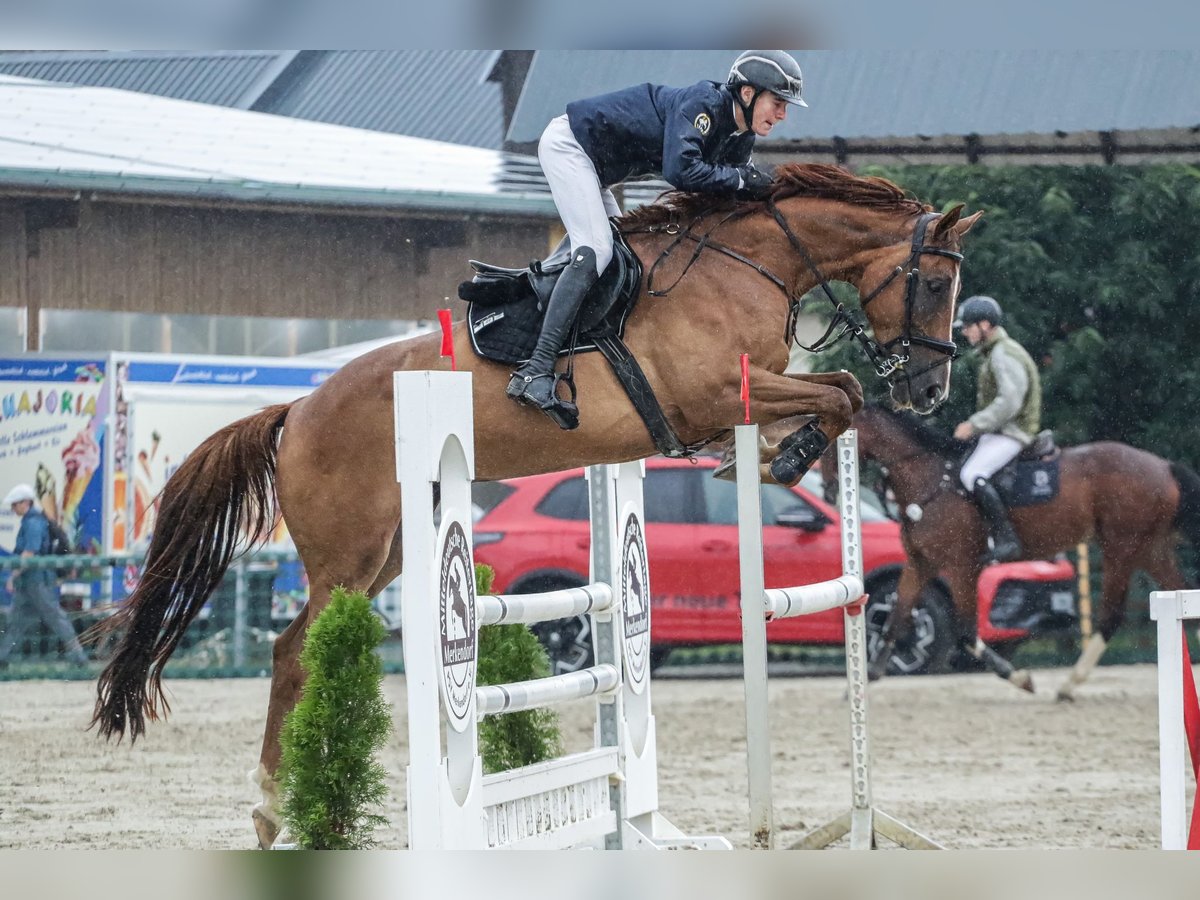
886	361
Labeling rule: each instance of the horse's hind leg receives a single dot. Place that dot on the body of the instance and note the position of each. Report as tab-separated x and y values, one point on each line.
368	570
1119	564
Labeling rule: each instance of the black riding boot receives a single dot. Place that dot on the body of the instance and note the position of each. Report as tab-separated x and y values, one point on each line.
1005	545
534	383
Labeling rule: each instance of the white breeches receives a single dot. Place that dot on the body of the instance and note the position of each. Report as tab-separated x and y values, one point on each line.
991	454
583	203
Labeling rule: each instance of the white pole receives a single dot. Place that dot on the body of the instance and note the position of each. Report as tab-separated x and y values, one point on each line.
862	825
754	637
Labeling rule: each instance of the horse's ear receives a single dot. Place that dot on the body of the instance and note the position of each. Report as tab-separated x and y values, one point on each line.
952	221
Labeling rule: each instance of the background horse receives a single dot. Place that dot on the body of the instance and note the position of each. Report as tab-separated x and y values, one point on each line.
1132	503
332	469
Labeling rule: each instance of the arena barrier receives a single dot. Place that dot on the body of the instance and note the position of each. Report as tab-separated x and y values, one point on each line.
863	821
603	797
1178	717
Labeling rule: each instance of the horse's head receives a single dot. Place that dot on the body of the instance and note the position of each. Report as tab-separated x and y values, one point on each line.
908	293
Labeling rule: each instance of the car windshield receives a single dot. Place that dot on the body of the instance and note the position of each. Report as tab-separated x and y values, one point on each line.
870	507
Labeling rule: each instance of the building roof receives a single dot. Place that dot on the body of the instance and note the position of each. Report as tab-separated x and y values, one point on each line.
438	94
906	98
221	78
58	136
443	95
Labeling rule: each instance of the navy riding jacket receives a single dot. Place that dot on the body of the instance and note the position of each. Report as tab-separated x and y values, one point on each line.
688	135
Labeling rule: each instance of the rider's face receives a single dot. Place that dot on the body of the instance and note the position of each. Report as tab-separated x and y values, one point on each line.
770	110
973	333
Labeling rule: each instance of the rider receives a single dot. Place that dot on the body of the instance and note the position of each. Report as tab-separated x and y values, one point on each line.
699	138
1009	403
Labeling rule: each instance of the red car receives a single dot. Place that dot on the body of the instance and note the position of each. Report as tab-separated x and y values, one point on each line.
534	532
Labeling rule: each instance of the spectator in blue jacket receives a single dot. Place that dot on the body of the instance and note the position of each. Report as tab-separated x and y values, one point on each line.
35	591
699	138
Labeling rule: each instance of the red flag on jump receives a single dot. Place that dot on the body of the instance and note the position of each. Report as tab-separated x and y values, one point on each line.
447	338
746	385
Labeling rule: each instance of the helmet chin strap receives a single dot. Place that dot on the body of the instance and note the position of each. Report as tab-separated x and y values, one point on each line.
747	108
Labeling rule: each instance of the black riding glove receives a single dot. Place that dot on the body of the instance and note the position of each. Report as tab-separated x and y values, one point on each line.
756	184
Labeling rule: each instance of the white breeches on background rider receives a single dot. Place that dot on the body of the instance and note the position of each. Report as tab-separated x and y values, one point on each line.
991	454
584	204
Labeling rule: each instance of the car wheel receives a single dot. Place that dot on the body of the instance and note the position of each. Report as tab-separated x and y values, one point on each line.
568	643
926	648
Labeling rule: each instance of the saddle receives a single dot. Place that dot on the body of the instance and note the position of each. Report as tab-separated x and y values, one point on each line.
507	305
1032	477
504	318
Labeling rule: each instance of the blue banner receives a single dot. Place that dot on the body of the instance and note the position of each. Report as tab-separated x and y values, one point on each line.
226	375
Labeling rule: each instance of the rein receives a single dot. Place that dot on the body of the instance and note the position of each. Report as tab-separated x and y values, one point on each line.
886	362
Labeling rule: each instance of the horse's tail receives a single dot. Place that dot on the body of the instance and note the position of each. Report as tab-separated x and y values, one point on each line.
1187	515
222	497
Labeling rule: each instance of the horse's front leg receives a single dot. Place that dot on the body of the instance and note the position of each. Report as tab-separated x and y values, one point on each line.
842	380
963	580
799	418
899	624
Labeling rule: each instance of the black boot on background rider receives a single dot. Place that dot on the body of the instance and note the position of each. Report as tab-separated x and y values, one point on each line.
535	383
1006	547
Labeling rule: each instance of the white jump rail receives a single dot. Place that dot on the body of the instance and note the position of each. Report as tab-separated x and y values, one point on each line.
603	797
1170	609
759	605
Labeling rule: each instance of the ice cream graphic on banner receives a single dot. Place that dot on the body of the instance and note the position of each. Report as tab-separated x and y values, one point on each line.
81	459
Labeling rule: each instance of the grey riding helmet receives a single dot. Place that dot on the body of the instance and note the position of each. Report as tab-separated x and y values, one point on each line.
767	70
978	309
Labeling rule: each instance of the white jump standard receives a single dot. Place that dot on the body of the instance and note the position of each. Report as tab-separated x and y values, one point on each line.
862	821
1170	609
603	797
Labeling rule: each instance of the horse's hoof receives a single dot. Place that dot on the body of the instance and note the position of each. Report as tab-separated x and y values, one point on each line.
727	470
1065	695
1022	679
266	829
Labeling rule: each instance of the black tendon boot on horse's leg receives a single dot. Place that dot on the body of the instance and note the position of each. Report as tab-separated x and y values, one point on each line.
534	384
1005	545
797	452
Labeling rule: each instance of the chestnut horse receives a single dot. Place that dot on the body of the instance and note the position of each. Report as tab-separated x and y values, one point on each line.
327	459
1132	503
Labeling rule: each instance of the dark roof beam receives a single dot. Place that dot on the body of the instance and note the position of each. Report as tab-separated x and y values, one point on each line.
298	66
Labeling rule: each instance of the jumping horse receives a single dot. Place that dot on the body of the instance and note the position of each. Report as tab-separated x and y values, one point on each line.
1132	503
325	462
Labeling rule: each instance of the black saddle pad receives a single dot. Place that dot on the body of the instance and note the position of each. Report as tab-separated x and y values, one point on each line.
1028	483
505	309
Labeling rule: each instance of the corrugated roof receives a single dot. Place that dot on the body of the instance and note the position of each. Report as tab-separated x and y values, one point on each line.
436	94
879	94
220	78
66	136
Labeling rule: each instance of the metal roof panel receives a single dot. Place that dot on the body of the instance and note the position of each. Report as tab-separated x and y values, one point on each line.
878	94
56	135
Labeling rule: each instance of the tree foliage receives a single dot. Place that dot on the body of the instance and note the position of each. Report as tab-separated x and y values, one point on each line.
330	774
509	653
1098	275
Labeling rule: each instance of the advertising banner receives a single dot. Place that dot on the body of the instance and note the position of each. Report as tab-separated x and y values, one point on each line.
53	431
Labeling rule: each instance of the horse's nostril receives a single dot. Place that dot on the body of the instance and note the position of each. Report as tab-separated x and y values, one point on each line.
933	392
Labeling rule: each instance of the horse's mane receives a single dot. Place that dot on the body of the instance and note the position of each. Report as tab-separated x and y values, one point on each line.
817	180
926	436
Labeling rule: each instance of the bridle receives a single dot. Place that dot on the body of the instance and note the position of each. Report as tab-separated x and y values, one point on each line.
844	323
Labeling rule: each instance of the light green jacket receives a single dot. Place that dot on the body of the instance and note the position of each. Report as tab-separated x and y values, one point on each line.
1009	391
